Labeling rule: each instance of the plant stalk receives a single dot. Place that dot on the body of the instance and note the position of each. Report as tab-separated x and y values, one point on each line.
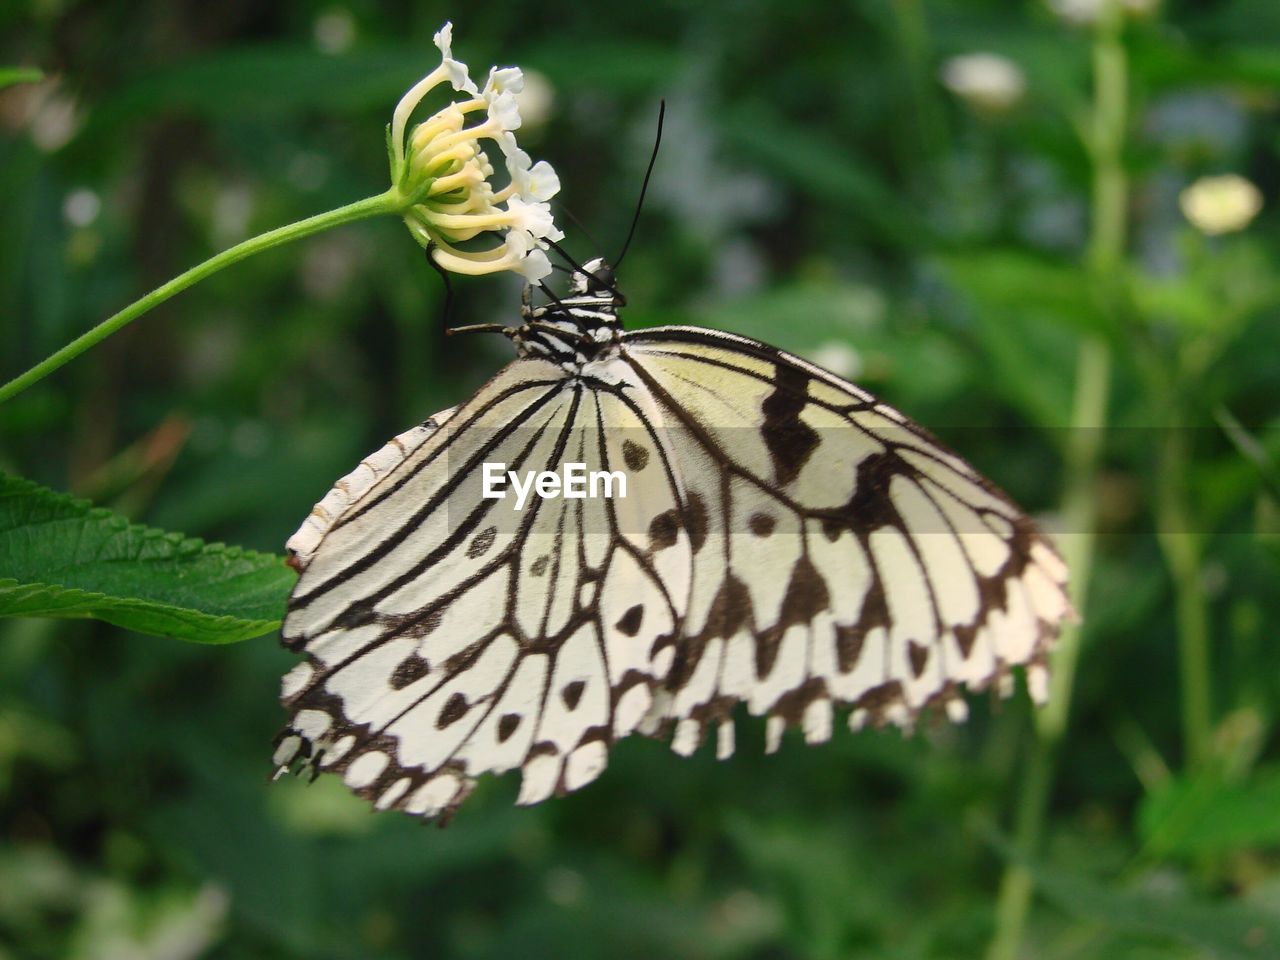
1182	550
1104	259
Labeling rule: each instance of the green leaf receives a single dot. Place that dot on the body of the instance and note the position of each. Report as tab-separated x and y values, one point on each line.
62	557
11	76
1208	816
1026	312
824	169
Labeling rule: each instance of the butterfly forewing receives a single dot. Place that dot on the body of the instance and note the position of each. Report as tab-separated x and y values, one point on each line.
864	564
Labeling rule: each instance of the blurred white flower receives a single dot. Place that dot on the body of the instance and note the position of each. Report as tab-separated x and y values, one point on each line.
334	30
986	81
1222	204
81	207
536	99
441	171
231	214
838	357
54	116
1086	12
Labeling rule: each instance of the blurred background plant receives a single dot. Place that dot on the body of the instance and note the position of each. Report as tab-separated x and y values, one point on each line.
1042	229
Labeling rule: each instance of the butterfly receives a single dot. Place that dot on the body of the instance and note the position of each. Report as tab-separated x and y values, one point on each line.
785	541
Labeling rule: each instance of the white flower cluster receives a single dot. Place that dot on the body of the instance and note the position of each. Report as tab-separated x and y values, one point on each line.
440	169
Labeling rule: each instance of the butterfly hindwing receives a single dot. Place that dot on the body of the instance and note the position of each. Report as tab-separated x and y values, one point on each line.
448	634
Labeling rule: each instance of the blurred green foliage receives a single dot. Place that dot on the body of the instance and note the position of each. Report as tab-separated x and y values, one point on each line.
821	187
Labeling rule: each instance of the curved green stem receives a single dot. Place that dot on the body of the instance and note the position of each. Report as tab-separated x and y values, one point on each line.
389	202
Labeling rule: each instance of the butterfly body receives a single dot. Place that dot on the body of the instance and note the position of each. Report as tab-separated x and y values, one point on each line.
785	541
578	329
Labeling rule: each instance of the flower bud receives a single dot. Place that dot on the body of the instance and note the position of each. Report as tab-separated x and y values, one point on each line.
1224	204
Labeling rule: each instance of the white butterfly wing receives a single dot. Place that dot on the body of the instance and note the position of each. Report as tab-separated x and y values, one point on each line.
785	540
842	556
448	635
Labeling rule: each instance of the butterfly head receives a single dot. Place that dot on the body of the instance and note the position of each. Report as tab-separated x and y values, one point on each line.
596	280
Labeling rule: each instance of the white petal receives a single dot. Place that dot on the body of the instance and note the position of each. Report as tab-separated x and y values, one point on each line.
535	266
504	111
543	182
503	79
444	40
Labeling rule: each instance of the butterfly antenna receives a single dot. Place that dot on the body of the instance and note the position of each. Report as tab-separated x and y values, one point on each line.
653	158
580	225
448	286
560	304
480	328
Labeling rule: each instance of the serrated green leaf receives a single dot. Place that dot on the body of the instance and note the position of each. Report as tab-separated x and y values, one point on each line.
63	557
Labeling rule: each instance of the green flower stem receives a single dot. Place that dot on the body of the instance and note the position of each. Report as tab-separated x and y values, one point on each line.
1182	550
390	202
1105	259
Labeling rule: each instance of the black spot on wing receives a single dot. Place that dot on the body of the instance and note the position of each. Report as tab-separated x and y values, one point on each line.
454	710
634	455
411	668
875	609
849	640
730	609
663	530
761	524
481	543
572	693
789	439
918	654
870	506
430	622
695	520
507	726
806	597
730	612
629	622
